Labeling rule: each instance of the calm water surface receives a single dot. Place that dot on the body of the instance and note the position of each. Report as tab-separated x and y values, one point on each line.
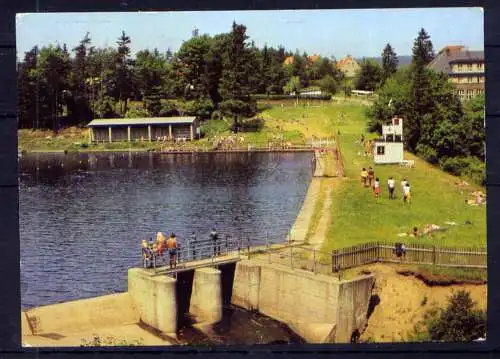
82	216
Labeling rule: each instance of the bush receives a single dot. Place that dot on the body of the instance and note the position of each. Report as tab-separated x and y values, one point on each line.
427	153
470	167
216	115
105	107
137	112
200	107
214	127
169	108
460	321
253	125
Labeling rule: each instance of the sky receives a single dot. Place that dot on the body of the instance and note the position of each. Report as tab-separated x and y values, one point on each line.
337	33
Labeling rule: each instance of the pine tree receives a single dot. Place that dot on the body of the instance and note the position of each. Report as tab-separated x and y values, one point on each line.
237	72
389	62
423	52
123	71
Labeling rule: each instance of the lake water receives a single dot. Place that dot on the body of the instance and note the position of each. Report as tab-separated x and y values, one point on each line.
82	216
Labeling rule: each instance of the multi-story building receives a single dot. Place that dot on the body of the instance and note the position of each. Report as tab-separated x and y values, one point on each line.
465	70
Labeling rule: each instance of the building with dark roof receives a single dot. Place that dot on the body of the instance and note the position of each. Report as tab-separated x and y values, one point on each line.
465	69
143	129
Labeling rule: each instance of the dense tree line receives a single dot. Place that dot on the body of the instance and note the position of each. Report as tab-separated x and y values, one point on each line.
207	76
437	126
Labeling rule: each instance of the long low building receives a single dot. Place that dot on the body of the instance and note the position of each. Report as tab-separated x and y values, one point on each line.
143	129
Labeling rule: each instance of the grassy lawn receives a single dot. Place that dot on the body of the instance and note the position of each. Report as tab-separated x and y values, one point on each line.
357	217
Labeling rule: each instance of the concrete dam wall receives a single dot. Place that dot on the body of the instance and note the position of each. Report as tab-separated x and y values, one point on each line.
320	308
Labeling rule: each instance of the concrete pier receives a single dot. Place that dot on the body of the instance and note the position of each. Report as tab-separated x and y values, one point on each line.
206	297
155	299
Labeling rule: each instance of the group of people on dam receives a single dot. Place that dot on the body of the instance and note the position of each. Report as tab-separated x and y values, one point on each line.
160	246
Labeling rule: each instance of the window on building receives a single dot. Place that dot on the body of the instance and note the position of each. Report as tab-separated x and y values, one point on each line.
469	67
380	150
459	67
396	121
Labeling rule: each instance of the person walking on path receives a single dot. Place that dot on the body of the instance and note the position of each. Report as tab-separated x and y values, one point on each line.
407	193
376	188
172	250
364	177
214	237
390	185
371	176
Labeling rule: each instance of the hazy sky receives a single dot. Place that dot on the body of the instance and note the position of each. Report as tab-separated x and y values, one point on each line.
325	32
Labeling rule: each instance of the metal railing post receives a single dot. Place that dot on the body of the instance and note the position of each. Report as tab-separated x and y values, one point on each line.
248	246
154	262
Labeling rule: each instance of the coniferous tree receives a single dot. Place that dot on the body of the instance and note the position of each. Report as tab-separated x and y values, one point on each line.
389	62
423	52
123	72
235	86
27	90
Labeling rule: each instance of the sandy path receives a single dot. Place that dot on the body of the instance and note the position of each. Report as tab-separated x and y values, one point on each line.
318	236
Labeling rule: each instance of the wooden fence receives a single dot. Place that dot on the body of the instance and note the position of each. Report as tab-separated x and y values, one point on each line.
375	252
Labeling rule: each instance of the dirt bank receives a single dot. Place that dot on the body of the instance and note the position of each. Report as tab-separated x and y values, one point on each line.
404	300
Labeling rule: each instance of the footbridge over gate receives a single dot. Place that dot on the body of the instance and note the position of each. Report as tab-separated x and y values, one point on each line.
286	281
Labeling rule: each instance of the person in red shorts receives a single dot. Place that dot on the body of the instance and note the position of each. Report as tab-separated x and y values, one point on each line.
376	188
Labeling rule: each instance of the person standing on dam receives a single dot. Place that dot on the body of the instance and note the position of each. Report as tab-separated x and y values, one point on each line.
214	237
172	250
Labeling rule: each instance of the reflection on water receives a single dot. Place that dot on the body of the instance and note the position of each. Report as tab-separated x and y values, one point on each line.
82	215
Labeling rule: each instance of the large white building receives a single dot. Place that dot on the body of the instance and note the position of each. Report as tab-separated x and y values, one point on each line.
390	149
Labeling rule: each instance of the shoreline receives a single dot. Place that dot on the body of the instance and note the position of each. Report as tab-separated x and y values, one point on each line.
145	150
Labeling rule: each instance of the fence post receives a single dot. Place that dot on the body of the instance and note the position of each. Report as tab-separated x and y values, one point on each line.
434	255
314	259
335	264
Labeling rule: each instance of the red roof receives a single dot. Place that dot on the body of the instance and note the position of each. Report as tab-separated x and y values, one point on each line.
344	61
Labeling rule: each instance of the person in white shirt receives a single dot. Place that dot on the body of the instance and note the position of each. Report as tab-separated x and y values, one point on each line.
407	193
403	185
391	184
376	188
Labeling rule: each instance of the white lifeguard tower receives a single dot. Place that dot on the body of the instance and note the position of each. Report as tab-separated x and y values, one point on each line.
389	149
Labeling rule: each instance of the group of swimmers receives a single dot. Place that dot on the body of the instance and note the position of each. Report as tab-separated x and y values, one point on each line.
368	179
